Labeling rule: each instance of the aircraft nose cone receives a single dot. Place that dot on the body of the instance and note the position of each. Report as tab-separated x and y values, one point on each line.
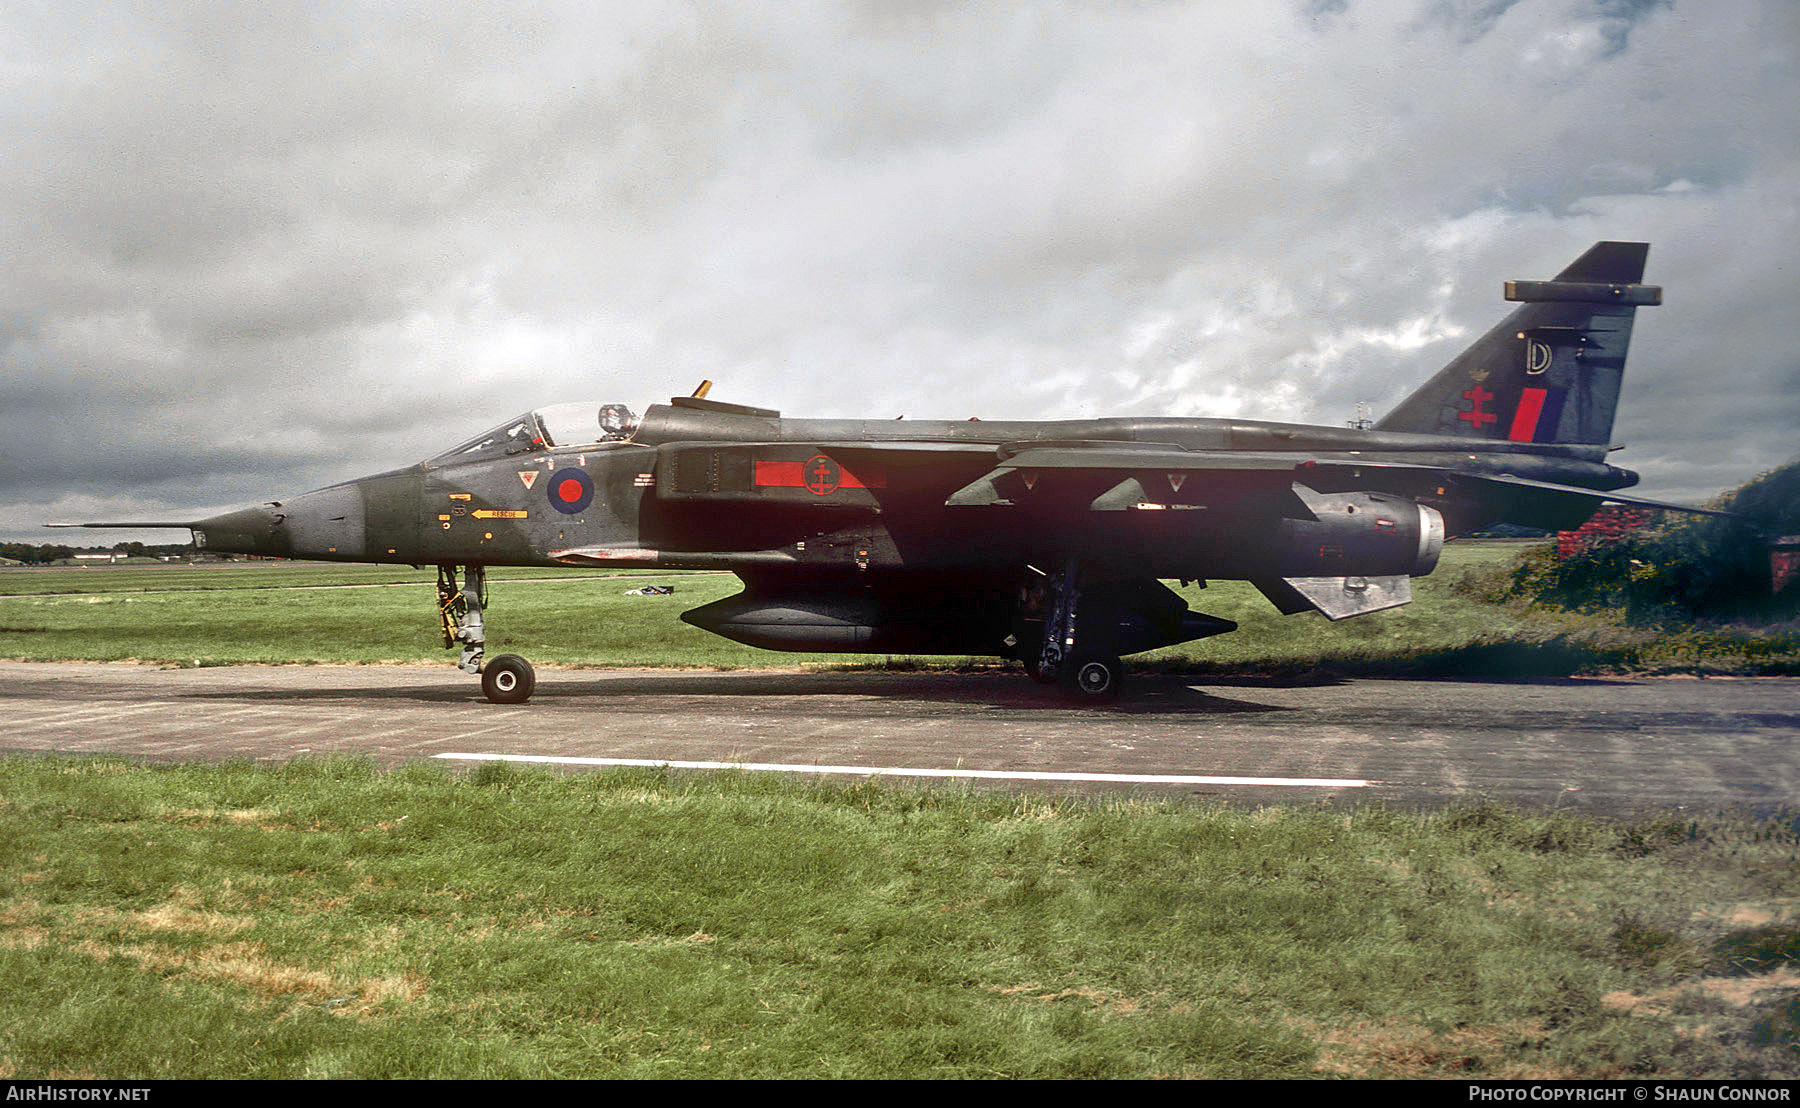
255	530
330	524
327	524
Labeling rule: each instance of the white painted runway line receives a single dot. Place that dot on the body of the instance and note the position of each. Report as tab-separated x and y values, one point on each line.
907	771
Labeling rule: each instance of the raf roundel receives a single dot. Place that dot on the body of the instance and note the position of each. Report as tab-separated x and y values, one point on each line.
570	491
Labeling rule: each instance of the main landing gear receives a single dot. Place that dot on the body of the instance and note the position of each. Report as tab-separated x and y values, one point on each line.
507	679
1074	657
1073	626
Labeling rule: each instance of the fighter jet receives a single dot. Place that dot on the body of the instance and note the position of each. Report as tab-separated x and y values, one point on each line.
1044	542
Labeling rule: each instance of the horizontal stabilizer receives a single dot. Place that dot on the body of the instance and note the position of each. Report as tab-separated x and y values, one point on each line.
1583	292
1575	496
1597	497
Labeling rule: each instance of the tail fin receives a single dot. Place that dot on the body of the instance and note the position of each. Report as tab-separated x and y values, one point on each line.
1550	371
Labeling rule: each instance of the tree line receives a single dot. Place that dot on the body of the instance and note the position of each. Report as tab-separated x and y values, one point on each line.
47	553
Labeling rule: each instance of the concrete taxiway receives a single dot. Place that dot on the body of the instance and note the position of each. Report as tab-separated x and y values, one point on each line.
1603	745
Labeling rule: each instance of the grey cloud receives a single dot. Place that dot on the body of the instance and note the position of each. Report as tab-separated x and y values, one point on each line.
284	244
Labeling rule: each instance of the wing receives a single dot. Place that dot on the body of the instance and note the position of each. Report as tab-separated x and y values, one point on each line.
1336	502
1154	474
854	476
1144	470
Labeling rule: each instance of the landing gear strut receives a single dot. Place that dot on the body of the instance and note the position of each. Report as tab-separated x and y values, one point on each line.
1072	656
507	679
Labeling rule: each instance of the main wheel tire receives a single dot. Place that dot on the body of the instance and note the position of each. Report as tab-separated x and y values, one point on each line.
508	679
1093	678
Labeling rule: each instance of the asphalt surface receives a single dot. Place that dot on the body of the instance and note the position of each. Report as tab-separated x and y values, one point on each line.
1616	746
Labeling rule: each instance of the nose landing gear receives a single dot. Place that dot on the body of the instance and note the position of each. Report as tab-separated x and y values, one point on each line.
507	679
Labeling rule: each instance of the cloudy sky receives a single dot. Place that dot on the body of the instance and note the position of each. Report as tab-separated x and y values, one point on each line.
255	248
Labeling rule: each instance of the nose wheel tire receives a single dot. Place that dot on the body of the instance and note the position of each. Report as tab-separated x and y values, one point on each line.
508	679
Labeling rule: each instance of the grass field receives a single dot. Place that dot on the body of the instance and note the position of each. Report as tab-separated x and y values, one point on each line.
278	612
324	919
327	919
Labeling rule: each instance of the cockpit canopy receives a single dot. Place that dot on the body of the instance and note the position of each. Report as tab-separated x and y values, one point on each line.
555	427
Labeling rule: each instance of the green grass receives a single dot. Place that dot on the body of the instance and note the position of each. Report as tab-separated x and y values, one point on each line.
159	578
1439	619
352	614
282	613
276	612
325	919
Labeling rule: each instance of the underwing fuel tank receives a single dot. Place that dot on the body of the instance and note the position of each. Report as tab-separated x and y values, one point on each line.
826	622
1127	616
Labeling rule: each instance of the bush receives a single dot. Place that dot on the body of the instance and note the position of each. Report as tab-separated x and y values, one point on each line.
1693	567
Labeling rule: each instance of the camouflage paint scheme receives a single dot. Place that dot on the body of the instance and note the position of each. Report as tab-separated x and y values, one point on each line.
1043	541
